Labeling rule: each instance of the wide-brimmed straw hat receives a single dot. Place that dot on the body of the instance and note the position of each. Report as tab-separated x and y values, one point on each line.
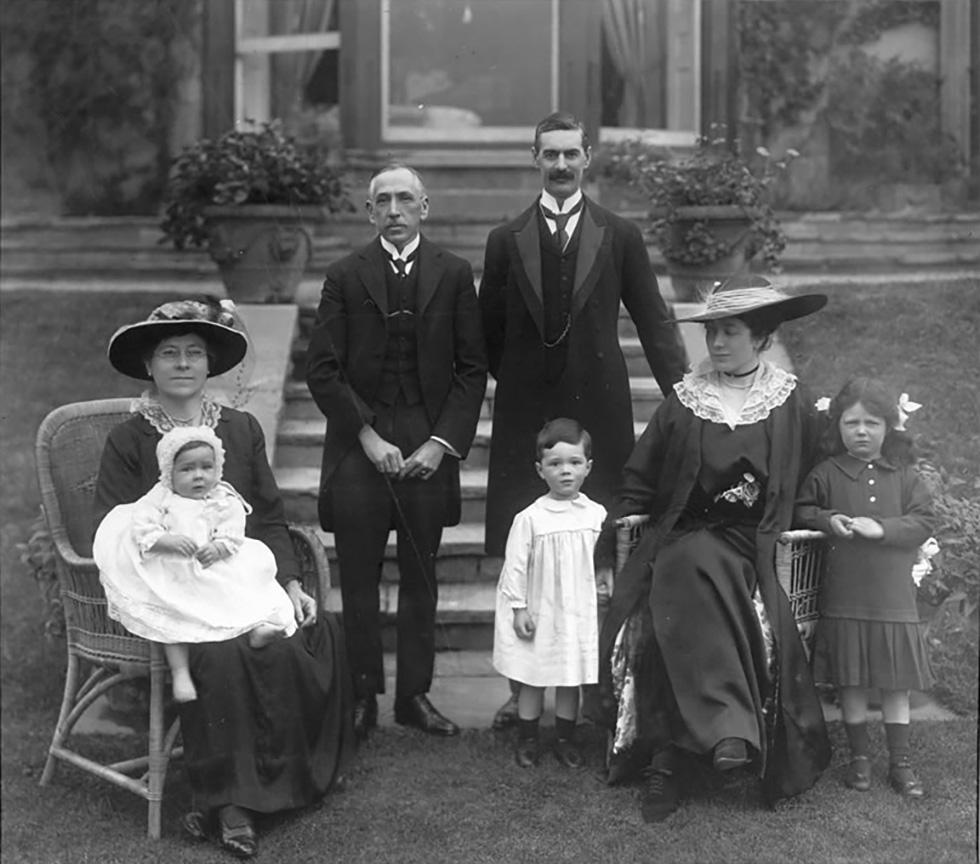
742	294
210	318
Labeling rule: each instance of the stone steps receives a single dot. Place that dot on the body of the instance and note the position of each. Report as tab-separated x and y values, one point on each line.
124	248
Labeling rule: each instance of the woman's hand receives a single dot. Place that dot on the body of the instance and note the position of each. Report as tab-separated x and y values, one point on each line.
175	544
523	624
841	525
304	606
868	528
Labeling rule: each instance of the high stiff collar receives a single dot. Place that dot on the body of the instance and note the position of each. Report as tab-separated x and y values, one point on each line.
404	254
699	391
551	203
852	466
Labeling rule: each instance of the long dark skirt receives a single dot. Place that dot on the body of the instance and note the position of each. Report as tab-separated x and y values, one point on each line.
271	727
708	637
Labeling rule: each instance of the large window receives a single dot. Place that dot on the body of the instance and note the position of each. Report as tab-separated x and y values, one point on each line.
286	65
467	70
651	62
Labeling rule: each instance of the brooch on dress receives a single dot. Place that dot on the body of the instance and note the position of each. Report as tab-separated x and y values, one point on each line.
746	492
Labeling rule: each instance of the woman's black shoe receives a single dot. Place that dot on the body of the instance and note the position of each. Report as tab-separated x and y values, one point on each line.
661	796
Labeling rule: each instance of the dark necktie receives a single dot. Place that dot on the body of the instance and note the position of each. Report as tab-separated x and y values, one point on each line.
401	264
561	220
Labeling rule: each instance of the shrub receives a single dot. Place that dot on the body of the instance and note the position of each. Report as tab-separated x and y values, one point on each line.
715	174
259	164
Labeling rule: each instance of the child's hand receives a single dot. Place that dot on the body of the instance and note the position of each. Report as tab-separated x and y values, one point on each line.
523	624
868	528
175	544
603	581
841	525
209	553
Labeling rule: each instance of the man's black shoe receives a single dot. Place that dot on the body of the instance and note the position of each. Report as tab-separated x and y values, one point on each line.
365	716
418	711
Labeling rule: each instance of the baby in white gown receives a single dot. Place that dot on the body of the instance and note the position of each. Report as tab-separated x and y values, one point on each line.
177	567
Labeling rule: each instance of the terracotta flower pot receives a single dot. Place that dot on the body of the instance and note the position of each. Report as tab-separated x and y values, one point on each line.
262	250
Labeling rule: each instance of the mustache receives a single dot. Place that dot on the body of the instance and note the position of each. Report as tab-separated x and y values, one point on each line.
561	174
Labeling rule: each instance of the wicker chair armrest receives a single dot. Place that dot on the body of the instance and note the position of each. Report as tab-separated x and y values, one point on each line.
626	523
799	534
314	566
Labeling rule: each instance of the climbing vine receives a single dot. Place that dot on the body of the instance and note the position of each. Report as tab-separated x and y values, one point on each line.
103	79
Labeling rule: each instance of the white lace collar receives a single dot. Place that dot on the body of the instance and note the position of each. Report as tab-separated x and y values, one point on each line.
147	406
699	392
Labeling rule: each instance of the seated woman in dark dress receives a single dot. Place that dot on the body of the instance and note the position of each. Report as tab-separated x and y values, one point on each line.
270	729
699	652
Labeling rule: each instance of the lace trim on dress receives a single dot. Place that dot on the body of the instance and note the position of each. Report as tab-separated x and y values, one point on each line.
699	392
153	412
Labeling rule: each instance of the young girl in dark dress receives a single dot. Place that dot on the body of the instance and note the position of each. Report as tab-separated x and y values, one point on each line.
877	512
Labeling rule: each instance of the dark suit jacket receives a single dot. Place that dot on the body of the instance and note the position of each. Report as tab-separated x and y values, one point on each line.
612	265
346	352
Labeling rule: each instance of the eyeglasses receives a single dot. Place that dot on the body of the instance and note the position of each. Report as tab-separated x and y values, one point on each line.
173	355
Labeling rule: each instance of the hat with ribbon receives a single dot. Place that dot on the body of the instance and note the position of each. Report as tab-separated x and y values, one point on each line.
742	294
212	319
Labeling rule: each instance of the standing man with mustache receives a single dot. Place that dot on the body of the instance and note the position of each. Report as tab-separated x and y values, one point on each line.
398	367
553	280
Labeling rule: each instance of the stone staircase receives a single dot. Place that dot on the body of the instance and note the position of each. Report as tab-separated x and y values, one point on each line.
467	577
130	248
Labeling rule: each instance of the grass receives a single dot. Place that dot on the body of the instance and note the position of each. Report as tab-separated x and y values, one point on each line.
414	799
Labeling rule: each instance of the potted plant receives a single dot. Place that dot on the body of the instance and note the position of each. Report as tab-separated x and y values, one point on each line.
250	197
710	212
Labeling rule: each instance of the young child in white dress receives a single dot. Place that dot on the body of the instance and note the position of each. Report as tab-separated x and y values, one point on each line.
546	627
177	567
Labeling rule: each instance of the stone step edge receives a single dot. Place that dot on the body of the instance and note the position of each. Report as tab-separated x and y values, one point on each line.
459	602
308	433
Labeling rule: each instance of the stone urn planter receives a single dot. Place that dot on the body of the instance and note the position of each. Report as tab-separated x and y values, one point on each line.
262	250
724	233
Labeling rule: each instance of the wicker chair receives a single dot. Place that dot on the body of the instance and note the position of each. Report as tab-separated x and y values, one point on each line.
799	563
68	450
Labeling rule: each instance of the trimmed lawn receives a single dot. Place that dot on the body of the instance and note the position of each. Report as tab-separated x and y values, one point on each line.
413	799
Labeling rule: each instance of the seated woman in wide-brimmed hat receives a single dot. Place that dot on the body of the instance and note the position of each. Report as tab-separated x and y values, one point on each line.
270	727
699	654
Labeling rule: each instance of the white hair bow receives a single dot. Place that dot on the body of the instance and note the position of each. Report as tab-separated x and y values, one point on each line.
905	407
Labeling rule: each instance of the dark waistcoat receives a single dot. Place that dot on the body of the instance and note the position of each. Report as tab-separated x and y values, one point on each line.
557	279
400	369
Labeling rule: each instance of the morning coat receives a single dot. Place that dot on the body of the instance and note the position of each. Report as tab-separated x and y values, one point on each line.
611	266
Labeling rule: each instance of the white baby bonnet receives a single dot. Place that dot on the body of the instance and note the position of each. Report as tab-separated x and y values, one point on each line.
172	441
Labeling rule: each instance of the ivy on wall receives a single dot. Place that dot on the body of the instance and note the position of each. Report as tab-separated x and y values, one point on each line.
103	80
801	68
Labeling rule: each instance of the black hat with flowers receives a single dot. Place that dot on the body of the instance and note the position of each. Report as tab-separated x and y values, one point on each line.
211	319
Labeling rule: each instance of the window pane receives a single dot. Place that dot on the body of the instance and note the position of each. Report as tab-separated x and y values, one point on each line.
458	64
286	17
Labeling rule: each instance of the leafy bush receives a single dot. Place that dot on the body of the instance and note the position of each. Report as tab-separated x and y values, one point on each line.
954	587
885	125
38	556
259	164
716	173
